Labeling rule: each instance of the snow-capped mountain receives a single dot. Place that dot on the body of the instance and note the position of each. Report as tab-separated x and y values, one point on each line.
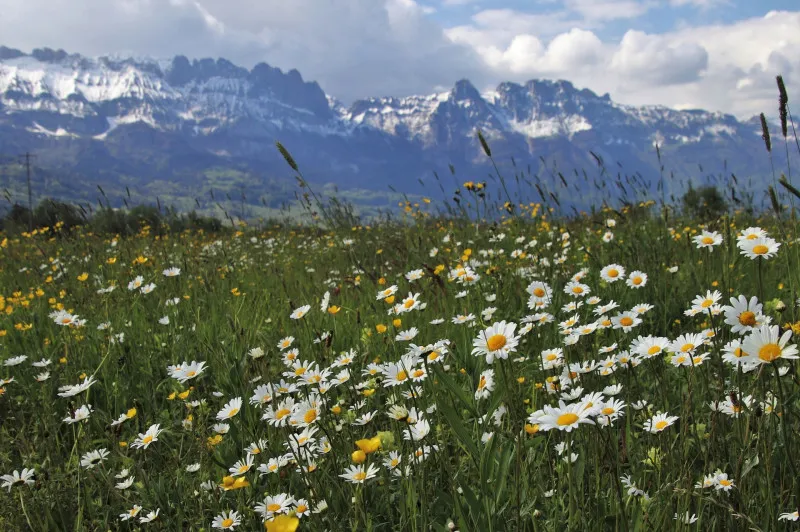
125	121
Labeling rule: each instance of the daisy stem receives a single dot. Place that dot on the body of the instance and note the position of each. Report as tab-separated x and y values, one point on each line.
615	453
786	444
24	511
573	503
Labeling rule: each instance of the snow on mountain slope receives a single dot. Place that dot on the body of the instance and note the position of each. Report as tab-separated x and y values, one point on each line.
53	93
140	92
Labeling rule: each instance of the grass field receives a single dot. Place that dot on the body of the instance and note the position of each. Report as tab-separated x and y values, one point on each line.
496	369
410	376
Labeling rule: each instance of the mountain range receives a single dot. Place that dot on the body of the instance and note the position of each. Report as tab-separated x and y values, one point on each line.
182	130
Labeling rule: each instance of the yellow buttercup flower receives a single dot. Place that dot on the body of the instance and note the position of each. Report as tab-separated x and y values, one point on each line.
369	445
358	457
231	483
282	523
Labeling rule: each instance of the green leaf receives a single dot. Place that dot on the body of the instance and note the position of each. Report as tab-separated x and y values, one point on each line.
455	389
460	431
748	466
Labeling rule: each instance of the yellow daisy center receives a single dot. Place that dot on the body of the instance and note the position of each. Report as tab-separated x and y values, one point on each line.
707	303
760	249
725	482
227	522
577	290
613	273
608	410
419	373
539	292
273	507
232	412
482	383
408	303
147	439
360	476
243	468
708	240
495	342
626	321
661	425
769	352
637	280
310	416
654	350
747	318
282	413
567	419
687	347
300	371
401	375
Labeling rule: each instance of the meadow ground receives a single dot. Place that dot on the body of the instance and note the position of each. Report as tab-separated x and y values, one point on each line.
620	371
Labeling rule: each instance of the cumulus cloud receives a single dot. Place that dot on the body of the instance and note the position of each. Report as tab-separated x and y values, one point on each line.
601	10
459	2
721	67
658	60
354	48
703	4
571	51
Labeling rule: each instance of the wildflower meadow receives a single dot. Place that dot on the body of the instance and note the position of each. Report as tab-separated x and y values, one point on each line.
628	368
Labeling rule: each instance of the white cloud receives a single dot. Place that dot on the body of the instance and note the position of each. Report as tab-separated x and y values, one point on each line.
658	60
355	48
600	10
573	50
727	67
498	27
702	4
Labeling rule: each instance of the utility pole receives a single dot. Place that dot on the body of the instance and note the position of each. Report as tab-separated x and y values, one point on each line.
28	156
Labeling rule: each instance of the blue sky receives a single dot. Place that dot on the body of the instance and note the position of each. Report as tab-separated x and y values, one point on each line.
657	17
720	55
